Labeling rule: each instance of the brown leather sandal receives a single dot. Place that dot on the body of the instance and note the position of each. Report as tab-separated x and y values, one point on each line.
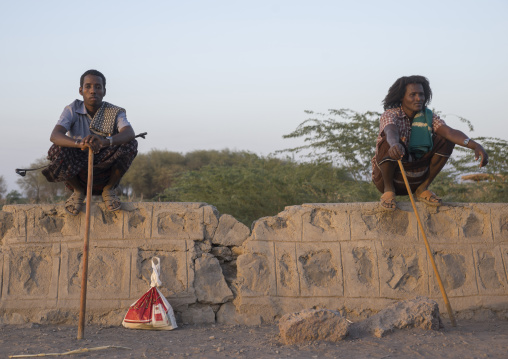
388	202
430	198
111	200
74	203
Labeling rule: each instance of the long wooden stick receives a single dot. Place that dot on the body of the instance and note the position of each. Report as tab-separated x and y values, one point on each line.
84	276
429	252
77	351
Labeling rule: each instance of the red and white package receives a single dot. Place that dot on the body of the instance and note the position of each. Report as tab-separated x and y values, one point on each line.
151	311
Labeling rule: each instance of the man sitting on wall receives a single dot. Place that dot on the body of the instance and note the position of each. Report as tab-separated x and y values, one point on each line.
410	132
104	128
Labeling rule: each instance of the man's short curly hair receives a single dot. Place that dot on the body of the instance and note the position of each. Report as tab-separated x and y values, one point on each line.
398	90
94	73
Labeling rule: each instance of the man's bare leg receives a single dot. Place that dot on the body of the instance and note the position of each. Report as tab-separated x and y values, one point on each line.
436	165
73	204
110	199
388	171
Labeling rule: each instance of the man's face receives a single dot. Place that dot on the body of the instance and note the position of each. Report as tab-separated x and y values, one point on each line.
414	99
93	91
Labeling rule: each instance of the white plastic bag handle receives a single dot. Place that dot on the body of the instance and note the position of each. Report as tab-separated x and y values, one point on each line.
156	268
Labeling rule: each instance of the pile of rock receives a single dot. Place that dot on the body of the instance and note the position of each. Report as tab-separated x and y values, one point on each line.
331	326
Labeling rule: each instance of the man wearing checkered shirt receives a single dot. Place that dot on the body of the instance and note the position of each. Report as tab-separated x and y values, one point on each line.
410	132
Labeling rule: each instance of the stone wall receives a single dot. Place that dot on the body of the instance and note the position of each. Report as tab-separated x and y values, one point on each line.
354	258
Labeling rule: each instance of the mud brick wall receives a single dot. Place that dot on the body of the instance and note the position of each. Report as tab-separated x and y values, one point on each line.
352	257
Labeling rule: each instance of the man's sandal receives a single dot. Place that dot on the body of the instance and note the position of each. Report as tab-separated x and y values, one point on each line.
74	203
111	200
388	202
430	198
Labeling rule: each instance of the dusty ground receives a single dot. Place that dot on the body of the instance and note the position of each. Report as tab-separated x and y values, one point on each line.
488	339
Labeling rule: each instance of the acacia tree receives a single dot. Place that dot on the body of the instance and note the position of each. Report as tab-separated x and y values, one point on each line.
343	137
347	139
36	187
3	187
256	186
153	172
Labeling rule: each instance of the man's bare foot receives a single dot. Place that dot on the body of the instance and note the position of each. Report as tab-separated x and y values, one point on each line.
74	203
388	201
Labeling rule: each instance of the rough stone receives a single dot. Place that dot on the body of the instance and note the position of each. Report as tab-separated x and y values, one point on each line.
313	325
420	313
55	316
223	253
209	283
236	251
6	223
228	314
204	246
198	315
211	220
14	318
230	232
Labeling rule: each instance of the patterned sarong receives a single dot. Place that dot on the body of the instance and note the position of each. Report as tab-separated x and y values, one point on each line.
416	171
68	162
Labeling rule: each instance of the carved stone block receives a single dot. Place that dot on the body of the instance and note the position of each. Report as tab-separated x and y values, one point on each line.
50	223
456	267
108	272
138	221
286	226
256	270
402	270
325	224
491	273
320	269
104	224
499	213
30	272
288	283
360	265
180	221
375	223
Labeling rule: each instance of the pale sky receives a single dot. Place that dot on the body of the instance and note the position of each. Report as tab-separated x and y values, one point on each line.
239	74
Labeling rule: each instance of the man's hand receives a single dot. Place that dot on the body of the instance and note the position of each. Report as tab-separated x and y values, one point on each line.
480	152
396	151
93	142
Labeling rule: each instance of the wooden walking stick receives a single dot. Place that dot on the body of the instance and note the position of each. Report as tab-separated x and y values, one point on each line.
84	276
429	252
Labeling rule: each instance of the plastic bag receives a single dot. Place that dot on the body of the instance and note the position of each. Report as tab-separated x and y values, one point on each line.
151	311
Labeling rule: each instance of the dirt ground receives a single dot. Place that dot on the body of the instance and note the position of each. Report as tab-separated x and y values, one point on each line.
470	339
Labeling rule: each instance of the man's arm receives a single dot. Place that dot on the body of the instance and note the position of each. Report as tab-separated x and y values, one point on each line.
396	150
458	138
124	135
59	138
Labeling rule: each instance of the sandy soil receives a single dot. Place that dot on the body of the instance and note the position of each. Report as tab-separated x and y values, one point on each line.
468	340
